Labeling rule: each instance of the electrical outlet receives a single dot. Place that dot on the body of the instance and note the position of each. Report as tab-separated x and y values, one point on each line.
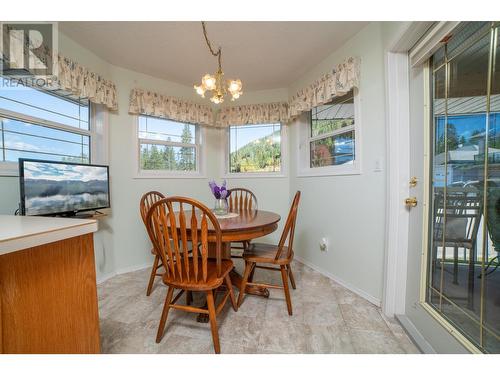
323	244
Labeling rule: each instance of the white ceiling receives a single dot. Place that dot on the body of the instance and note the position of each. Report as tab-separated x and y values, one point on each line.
264	55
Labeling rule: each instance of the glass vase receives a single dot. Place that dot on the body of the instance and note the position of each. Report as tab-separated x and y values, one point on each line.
221	207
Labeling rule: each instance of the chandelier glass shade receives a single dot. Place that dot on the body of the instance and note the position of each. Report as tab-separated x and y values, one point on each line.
215	83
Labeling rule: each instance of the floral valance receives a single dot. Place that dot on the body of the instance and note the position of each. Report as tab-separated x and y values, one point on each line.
252	114
74	78
338	82
149	103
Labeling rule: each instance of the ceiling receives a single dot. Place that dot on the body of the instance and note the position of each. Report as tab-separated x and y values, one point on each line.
264	55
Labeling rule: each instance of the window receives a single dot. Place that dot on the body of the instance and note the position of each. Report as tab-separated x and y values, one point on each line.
167	147
42	124
255	149
328	143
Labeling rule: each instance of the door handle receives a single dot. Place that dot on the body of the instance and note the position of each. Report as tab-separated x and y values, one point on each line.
411	202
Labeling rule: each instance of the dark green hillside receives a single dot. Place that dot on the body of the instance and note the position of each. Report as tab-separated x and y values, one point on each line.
260	155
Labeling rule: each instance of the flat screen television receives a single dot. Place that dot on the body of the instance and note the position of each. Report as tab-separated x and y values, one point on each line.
60	188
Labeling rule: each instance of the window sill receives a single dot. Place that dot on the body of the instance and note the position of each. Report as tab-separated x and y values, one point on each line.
168	175
254	175
9	169
328	171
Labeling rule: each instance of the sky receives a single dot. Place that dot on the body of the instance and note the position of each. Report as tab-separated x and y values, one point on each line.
59	172
163	129
242	135
465	125
49	108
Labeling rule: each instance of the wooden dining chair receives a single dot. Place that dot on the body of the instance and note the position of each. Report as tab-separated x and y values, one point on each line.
146	202
457	227
241	199
182	271
273	257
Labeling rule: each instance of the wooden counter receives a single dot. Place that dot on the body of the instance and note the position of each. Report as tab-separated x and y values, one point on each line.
48	294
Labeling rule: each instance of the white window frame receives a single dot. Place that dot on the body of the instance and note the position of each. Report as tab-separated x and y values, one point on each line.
284	157
199	145
98	134
304	140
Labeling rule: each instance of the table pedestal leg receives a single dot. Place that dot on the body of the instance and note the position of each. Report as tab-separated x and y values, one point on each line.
235	276
235	279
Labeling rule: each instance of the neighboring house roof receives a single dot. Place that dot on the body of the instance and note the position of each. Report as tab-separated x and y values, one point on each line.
462	154
466	105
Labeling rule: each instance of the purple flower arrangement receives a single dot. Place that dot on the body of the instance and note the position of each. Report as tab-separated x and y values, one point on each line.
219	192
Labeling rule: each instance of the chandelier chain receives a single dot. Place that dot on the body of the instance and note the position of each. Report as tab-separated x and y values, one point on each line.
216	83
217	54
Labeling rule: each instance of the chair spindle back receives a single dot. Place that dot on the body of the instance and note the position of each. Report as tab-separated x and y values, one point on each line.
463	215
147	200
289	229
242	199
174	222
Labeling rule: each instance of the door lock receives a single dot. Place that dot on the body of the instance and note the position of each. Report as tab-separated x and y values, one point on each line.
411	202
413	181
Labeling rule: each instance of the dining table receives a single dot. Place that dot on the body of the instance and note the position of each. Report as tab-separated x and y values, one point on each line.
238	226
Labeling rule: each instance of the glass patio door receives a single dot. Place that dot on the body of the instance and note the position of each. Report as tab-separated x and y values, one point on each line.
463	273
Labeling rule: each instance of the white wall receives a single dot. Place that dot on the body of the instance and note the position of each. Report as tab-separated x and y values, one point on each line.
348	210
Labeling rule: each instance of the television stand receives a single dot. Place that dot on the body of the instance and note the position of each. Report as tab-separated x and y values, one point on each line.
89	215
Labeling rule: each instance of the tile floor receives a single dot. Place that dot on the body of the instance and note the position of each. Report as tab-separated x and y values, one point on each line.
327	318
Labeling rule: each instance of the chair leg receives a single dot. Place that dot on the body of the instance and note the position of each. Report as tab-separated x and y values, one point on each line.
231	292
470	287
189	297
455	265
490	264
250	277
248	269
153	275
213	321
290	275
164	314
284	276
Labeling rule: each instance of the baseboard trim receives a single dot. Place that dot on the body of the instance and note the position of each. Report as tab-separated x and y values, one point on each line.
120	271
415	335
352	288
345	284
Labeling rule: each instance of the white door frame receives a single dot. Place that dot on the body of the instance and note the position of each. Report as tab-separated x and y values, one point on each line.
398	140
422	38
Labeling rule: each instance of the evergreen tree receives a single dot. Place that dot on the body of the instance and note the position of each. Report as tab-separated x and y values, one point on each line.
186	159
169	157
145	162
452	140
155	158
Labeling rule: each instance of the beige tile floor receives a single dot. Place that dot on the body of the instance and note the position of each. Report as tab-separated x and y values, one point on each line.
327	318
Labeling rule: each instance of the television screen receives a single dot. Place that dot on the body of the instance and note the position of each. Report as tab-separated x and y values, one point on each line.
49	187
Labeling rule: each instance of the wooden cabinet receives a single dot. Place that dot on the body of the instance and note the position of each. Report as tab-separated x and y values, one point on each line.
48	294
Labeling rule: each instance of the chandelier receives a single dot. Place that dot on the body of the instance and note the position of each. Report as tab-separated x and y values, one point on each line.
215	82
